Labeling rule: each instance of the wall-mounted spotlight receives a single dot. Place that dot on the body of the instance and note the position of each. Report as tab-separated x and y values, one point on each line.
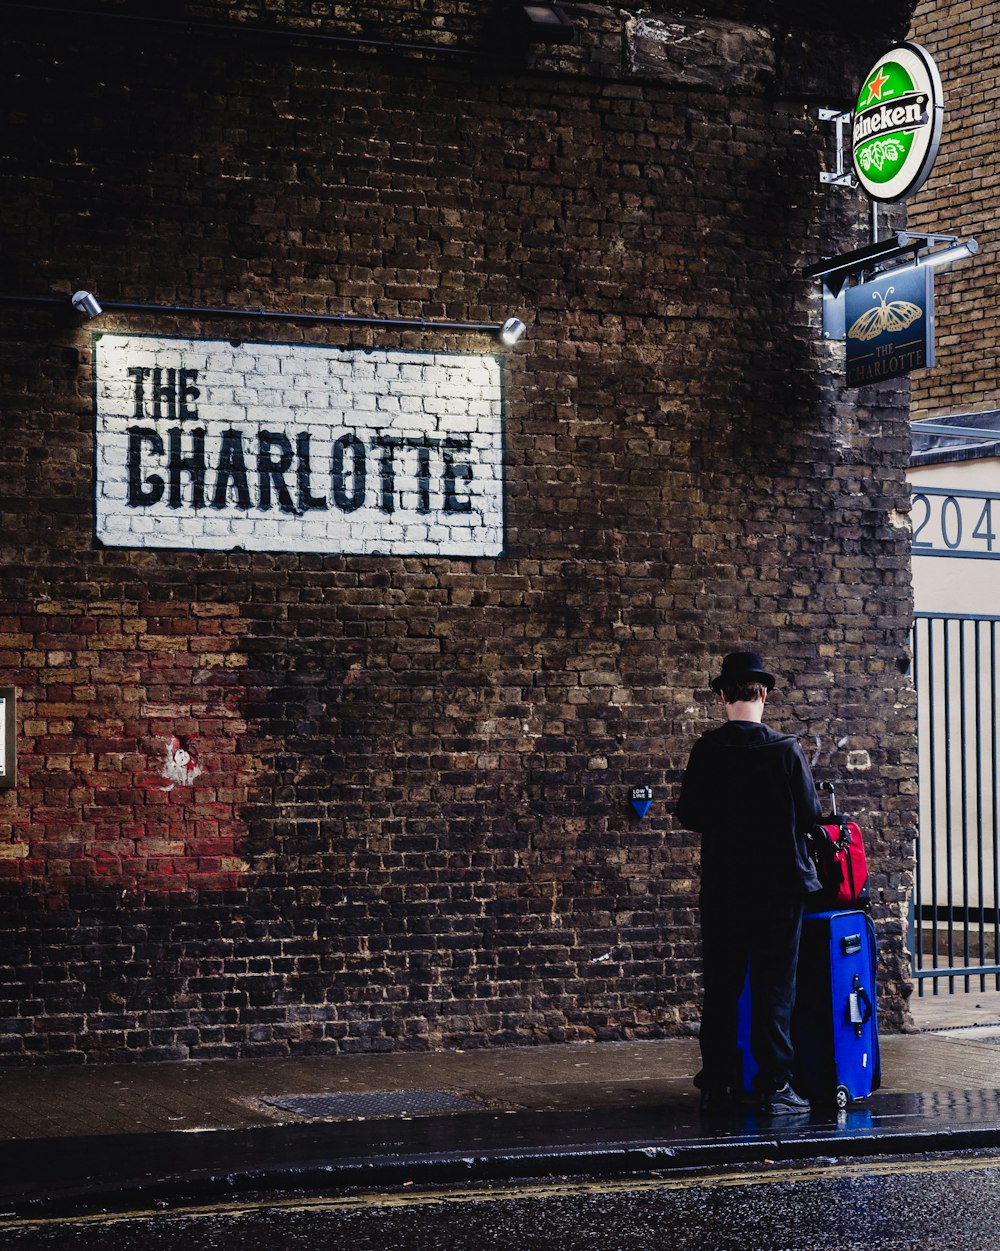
945	256
512	330
516	29
541	23
87	304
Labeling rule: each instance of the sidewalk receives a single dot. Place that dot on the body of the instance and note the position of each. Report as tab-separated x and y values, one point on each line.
79	1137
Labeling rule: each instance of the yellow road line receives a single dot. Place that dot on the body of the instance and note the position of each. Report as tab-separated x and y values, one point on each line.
526	1190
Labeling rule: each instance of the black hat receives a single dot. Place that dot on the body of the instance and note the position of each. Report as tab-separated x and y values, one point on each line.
742	667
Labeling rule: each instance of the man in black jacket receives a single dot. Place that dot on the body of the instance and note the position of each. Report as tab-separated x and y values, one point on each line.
749	792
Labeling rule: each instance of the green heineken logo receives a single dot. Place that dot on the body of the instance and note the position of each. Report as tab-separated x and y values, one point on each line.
897	123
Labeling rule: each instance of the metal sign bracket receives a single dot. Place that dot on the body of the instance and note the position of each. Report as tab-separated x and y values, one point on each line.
840	175
901	247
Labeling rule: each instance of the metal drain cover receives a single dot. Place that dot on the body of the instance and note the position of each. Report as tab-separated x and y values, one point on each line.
373	1103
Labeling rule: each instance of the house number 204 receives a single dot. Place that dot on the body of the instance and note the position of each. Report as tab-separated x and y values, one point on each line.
956	523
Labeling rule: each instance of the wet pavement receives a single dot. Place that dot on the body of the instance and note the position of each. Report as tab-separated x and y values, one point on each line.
120	1134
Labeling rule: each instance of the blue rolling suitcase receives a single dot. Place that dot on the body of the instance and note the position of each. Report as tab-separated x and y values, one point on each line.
835	1026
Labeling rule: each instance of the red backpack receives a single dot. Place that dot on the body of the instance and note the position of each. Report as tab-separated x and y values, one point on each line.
838	852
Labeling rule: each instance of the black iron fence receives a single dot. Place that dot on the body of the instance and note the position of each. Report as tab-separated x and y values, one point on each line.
955	914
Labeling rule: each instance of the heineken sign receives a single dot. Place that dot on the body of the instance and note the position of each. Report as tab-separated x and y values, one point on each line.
897	124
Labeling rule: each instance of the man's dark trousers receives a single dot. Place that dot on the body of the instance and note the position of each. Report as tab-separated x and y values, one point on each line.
764	935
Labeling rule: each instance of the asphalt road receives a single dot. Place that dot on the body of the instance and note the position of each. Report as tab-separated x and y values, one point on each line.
918	1203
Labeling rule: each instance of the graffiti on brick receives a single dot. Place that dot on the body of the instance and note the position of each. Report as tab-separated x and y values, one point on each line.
275	446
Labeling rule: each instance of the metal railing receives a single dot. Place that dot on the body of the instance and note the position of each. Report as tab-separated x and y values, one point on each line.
955	917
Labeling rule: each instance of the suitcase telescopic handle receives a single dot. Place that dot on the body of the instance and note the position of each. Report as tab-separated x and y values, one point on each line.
829	786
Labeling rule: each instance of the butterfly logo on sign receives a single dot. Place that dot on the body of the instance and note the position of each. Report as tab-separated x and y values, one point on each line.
888	316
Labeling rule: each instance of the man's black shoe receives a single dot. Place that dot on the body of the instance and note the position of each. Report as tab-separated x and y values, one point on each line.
715	1100
783	1102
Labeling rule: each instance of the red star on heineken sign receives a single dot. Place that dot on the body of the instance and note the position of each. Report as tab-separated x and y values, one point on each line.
876	85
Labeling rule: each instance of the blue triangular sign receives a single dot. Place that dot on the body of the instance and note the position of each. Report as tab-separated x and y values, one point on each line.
642	806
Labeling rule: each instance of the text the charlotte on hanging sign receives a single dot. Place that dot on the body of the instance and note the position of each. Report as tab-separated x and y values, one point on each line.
274	446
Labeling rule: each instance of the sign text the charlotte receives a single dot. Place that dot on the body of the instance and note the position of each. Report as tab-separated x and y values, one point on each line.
268	446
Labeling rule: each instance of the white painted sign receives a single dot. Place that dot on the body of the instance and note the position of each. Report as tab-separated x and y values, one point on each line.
203	443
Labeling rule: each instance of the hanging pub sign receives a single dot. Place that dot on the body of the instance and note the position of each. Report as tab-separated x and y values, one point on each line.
890	325
897	123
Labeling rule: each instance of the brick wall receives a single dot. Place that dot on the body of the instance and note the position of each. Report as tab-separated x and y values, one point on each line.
288	800
957	199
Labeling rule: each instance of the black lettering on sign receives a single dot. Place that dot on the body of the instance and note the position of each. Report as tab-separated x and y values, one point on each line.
186	477
186	390
424	479
345	501
272	473
194	464
453	471
456	471
387	471
164	393
143	491
169	389
232	468
306	497
140	375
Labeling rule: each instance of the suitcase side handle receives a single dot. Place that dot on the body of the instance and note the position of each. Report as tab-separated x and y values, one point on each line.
860	1006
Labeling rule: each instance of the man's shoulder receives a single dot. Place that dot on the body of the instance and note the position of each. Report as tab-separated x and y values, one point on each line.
749	733
779	741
